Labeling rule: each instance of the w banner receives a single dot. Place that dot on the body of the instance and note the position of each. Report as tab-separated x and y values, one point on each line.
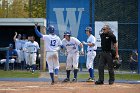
69	15
73	15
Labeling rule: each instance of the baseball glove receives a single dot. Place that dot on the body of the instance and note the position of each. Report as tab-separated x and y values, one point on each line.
116	63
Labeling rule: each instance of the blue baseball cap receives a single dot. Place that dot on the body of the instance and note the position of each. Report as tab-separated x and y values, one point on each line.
10	45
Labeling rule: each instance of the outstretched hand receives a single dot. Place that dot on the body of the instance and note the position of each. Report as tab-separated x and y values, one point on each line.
15	33
85	43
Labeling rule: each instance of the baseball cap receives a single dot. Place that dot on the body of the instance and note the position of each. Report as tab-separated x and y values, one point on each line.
10	45
88	29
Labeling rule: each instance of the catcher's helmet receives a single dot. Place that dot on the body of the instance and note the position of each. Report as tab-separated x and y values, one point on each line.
68	33
88	29
116	63
51	29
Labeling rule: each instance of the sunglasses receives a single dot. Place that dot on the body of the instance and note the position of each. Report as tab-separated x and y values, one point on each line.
104	29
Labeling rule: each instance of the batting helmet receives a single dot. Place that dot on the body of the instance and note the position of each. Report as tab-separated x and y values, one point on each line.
116	63
88	29
68	33
51	29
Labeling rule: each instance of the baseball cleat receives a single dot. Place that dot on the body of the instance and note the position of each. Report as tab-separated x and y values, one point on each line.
74	80
66	80
90	80
111	82
52	83
33	71
55	78
99	82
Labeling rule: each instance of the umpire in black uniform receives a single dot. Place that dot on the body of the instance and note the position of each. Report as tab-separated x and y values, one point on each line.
107	40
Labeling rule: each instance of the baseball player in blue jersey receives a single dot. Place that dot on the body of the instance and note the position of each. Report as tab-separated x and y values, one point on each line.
71	44
52	44
91	53
12	55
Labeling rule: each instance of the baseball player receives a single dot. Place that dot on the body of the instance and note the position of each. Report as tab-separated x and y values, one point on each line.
91	53
12	55
23	53
31	48
18	46
71	44
27	54
52	44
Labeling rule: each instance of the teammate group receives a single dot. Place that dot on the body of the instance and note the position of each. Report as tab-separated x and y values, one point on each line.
27	53
53	44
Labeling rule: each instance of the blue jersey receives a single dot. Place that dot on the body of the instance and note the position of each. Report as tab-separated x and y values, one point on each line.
12	52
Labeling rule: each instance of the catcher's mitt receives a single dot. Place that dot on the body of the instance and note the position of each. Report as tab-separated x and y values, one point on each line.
116	63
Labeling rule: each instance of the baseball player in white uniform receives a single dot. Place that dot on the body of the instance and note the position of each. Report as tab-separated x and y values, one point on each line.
27	54
31	48
91	53
18	46
52	44
23	53
71	44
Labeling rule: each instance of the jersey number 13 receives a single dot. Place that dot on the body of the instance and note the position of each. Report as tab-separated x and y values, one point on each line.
53	42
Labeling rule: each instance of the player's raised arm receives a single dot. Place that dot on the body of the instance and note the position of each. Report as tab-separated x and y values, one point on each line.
14	38
37	32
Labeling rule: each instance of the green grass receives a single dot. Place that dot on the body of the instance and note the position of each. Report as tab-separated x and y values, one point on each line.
25	74
18	74
117	76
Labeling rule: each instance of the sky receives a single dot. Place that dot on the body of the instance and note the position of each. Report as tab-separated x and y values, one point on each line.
9	1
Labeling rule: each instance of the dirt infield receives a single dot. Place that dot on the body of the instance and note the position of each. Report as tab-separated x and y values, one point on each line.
79	87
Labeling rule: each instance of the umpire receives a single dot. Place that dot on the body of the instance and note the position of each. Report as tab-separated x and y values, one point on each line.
107	40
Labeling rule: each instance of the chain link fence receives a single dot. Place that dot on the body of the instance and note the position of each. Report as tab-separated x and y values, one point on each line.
126	13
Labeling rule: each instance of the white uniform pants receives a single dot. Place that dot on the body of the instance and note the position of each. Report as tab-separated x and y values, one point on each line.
23	55
19	58
52	61
90	59
4	60
26	57
32	58
72	61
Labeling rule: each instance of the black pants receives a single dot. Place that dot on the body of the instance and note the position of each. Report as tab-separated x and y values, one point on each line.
133	66
106	58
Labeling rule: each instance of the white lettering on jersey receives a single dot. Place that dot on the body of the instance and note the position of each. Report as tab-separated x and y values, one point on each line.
32	46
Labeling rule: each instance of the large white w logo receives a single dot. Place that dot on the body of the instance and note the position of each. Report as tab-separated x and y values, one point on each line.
70	22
